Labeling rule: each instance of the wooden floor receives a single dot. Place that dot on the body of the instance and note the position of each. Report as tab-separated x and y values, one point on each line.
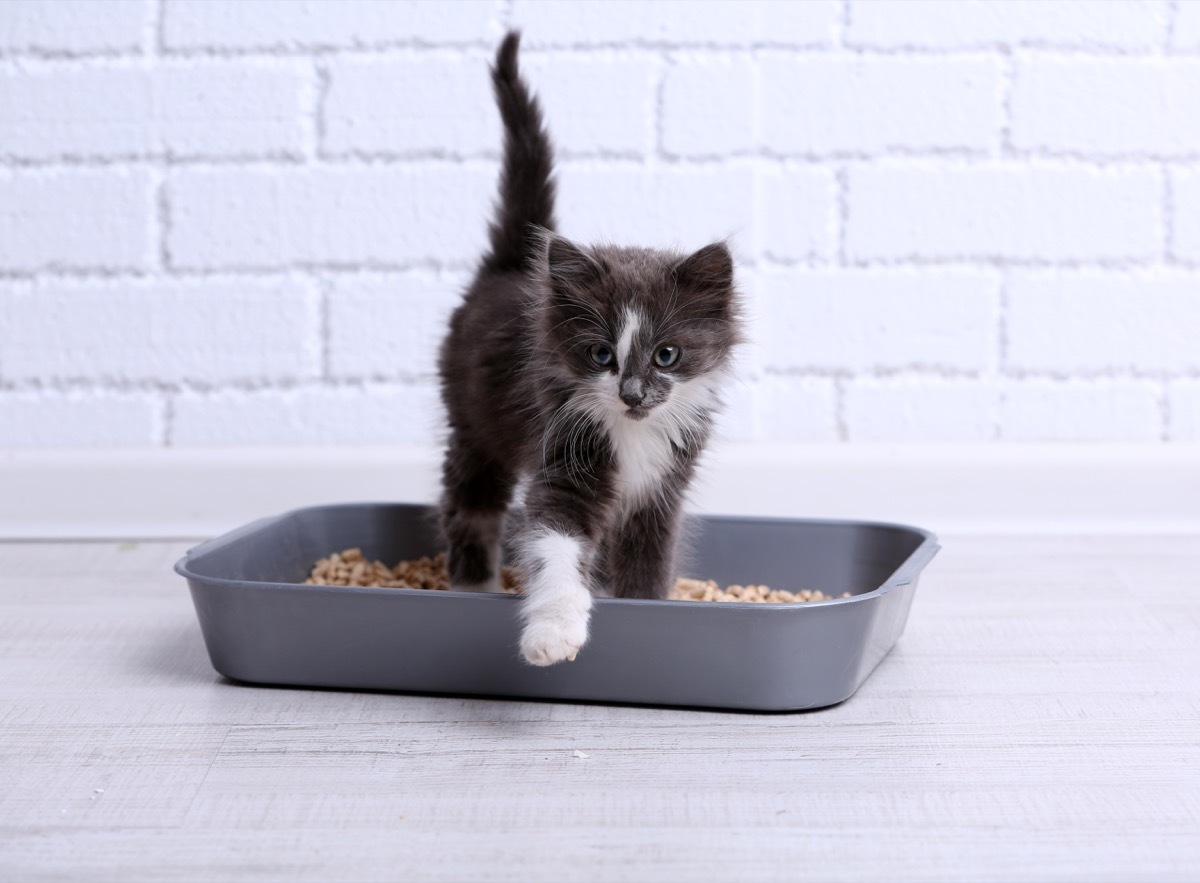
1039	720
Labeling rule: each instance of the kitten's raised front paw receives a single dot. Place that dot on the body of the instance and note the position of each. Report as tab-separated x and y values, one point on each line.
547	641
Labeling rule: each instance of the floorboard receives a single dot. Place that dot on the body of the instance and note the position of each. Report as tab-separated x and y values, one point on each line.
1039	720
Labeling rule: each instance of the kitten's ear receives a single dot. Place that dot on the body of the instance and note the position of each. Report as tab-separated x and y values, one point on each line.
706	280
569	267
710	270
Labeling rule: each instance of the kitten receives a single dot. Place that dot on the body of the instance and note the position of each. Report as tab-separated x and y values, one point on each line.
594	373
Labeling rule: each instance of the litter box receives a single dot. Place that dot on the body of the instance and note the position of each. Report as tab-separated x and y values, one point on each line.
261	625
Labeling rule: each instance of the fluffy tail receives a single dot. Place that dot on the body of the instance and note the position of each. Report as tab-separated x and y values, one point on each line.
526	189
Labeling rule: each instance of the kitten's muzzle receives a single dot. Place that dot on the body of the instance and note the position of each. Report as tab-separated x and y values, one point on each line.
633	393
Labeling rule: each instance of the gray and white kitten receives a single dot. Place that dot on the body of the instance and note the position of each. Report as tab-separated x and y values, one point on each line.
591	372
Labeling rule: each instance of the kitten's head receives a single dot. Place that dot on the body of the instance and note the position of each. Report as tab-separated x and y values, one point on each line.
640	333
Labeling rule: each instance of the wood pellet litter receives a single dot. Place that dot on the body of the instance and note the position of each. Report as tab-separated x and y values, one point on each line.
350	568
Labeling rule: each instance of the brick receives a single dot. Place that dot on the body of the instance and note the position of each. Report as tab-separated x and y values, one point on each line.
862	321
786	23
310	415
1185	35
853	104
676	206
797	409
1185	186
316	24
1183	408
440	103
76	219
1087	411
1078	322
709	106
194	110
1107	106
389	327
722	22
73	26
596	104
91	419
738	418
1033	212
949	24
207	331
416	103
741	391
797	212
747	359
919	409
343	216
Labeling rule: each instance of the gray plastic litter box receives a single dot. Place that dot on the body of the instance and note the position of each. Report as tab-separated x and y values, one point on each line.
262	625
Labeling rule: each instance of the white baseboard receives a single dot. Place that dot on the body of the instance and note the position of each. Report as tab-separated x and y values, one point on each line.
946	488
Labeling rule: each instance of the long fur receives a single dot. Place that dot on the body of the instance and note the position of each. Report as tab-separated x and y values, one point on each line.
526	188
549	373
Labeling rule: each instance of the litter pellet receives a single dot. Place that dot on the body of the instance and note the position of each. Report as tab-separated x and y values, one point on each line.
350	568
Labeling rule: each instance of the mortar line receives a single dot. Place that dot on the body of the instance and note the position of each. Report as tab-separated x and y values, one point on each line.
324	286
1168	215
1172	19
842	196
1008	77
159	161
842	30
162	221
658	152
318	129
1002	375
159	43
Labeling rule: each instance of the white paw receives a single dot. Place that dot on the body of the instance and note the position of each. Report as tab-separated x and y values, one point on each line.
546	641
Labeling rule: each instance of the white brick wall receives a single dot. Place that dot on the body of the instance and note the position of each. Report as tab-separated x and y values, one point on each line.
414	104
837	105
914	408
1185	244
76	219
203	331
1098	107
245	221
1010	211
74	27
1097	25
1122	312
1118	410
386	326
196	110
329	215
230	26
1185	35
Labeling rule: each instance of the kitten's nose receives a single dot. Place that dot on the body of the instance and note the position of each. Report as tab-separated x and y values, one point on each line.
632	392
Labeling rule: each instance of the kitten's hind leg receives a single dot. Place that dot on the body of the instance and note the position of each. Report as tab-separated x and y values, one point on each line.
475	494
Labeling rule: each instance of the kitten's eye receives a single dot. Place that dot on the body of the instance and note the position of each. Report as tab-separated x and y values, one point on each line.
601	355
666	356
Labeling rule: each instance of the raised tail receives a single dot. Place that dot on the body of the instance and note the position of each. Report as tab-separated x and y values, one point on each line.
526	188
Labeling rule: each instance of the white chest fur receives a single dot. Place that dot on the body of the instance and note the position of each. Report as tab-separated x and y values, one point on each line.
643	457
